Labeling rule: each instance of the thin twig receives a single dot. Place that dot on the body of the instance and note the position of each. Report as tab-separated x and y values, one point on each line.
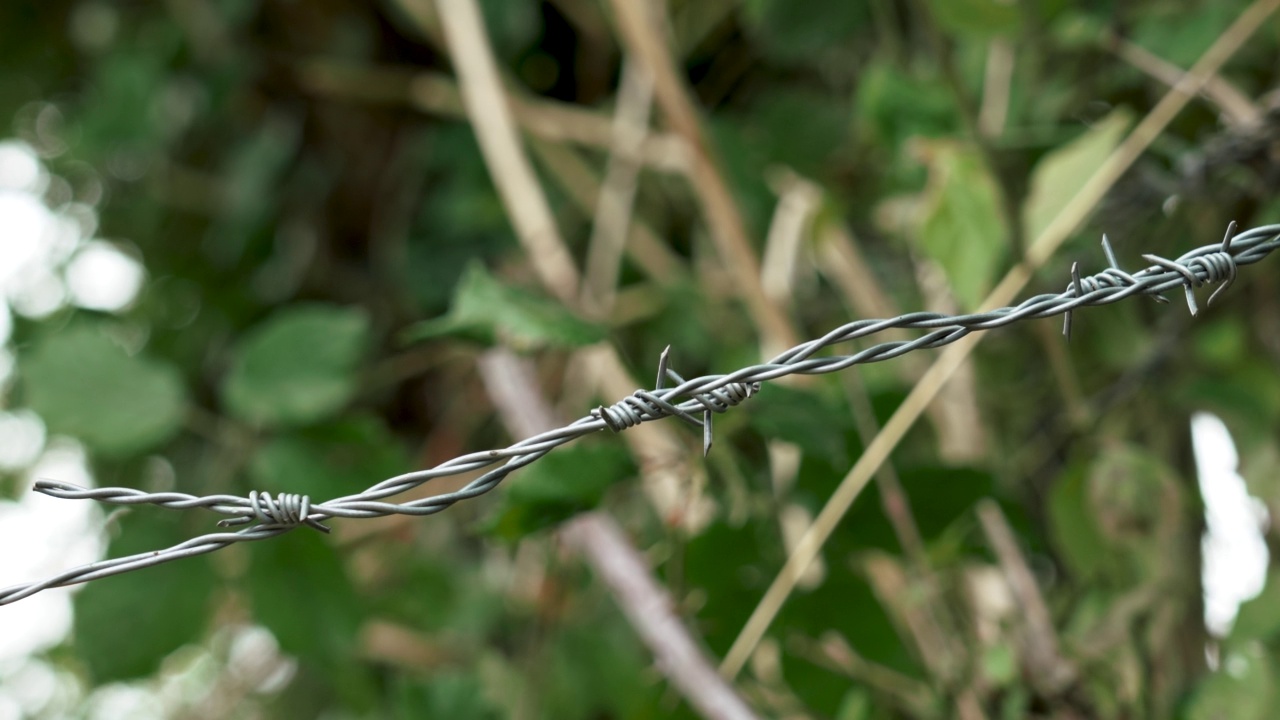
582	184
486	104
648	607
437	94
996	83
1237	109
618	191
1045	666
644	40
833	652
799	200
529	211
894	500
1058	230
616	563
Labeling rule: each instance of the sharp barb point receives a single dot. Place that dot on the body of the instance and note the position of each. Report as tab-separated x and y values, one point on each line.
1110	253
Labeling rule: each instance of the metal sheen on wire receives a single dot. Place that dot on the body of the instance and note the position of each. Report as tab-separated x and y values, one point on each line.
270	515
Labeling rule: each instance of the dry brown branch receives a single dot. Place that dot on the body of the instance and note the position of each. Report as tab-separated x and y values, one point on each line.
955	410
617	192
1237	109
437	94
615	562
909	605
581	184
1058	230
833	652
648	606
644	41
996	84
383	641
671	485
486	104
798	203
1047	670
894	500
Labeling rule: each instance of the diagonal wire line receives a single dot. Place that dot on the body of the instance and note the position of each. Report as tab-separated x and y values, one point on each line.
275	515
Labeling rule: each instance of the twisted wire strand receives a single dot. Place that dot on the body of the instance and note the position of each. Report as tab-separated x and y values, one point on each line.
708	394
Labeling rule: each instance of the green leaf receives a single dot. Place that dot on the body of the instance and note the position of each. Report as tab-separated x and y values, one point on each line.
1222	343
330	460
808	419
1000	664
856	704
1259	618
1072	529
804	31
595	668
1179	33
126	625
558	486
301	593
962	228
297	366
811	153
893	106
84	385
1062	173
977	19
446	695
489	312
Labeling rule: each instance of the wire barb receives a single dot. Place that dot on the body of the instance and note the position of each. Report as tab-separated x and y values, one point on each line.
284	510
1112	277
706	395
1216	267
643	405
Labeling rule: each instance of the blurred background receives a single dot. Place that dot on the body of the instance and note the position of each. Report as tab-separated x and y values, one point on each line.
302	247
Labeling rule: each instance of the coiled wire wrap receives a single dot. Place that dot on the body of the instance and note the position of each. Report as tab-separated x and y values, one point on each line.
707	394
643	405
284	510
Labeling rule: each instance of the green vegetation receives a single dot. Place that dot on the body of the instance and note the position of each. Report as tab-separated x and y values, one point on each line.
331	258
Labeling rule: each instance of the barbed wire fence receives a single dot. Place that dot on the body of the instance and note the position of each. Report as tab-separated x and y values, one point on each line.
695	401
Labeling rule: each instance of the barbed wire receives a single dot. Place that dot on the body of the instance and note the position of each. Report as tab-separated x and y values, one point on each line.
705	396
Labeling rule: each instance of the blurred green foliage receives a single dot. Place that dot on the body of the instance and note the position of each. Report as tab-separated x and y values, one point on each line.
327	257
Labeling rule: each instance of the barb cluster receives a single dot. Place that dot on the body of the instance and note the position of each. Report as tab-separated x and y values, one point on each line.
275	515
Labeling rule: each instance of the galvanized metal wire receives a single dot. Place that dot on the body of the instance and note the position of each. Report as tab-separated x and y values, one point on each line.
272	515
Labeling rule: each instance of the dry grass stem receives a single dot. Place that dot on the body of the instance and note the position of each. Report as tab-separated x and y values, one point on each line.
1237	109
678	499
894	500
798	203
645	42
435	93
954	411
581	184
495	129
618	191
1045	666
996	84
648	606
